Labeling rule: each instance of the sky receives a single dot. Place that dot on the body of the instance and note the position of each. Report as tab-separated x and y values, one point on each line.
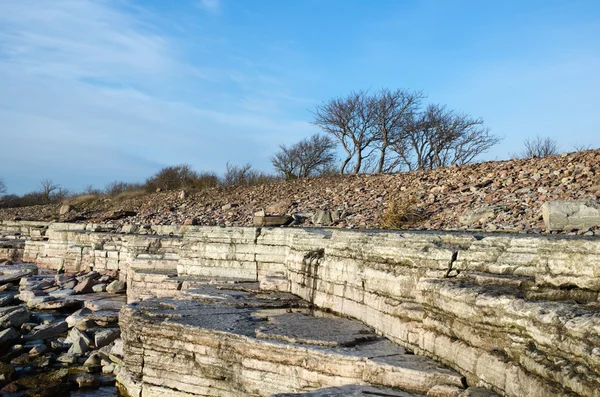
93	91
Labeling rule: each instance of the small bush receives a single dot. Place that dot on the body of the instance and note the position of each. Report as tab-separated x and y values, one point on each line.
181	177
401	212
115	188
244	175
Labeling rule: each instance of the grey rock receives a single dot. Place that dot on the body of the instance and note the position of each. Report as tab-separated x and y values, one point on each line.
92	360
15	317
322	218
106	336
99	287
6	299
567	215
64	209
117	349
62	293
47	331
80	341
38	349
116	287
70	284
67	358
8	335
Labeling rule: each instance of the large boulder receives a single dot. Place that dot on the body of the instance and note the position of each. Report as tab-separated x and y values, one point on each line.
568	215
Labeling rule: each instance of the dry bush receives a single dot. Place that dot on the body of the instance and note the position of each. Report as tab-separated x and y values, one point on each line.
245	175
115	188
401	212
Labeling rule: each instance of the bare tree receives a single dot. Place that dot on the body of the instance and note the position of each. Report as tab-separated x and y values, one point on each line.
439	137
306	158
580	147
2	186
540	147
393	112
48	190
350	120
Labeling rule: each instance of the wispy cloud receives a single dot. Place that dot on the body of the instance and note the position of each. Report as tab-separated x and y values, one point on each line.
90	88
212	6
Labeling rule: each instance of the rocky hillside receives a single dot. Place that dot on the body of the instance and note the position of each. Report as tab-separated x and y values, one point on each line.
499	195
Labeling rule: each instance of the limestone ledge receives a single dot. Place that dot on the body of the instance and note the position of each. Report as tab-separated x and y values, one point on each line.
233	342
516	314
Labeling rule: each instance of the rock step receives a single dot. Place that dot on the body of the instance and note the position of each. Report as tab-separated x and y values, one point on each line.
230	342
504	325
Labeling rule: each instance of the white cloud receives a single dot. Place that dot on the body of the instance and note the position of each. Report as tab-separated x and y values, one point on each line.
92	93
213	6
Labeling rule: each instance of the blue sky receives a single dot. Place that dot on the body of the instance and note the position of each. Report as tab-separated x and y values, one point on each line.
97	91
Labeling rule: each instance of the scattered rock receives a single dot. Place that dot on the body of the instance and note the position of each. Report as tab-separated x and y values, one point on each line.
99	287
104	337
322	218
47	331
64	209
81	342
14	316
116	287
85	287
8	335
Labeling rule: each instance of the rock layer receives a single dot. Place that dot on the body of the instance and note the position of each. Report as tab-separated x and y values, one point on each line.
515	314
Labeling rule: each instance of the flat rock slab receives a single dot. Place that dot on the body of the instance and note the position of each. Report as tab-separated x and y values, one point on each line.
329	349
320	331
114	302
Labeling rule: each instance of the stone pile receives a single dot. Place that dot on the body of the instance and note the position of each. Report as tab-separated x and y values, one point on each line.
58	332
500	195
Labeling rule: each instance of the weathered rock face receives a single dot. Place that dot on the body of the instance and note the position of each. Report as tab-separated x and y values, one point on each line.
515	314
223	342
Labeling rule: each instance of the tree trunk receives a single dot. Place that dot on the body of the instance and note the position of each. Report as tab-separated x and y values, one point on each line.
358	163
344	164
381	161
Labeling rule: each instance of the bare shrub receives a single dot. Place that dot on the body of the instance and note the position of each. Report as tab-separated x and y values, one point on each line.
539	147
115	188
179	177
245	175
2	187
401	212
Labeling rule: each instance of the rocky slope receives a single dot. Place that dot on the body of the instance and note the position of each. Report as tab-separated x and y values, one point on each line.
509	195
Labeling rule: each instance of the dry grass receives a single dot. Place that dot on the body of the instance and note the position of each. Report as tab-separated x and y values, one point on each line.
129	195
401	212
84	199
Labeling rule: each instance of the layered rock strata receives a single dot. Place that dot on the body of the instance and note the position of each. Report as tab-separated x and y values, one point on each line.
222	342
515	314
